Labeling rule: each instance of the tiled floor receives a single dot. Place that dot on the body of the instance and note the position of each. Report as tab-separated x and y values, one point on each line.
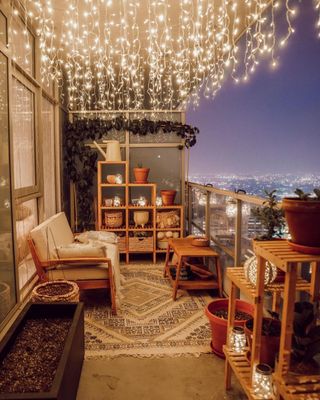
181	378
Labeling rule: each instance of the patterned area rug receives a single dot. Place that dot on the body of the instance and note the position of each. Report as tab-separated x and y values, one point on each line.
149	323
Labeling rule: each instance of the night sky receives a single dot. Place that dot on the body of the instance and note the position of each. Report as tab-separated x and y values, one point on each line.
270	124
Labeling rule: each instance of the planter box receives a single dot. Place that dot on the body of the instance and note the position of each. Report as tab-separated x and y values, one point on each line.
66	380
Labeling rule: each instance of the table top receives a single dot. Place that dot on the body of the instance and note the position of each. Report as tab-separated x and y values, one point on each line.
183	247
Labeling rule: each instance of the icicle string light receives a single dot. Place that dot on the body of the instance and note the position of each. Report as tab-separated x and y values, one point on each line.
153	54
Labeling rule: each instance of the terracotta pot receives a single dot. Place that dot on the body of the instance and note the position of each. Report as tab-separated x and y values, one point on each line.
269	344
219	325
303	219
141	175
168	197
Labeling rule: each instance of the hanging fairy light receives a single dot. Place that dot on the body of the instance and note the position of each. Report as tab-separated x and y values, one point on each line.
157	54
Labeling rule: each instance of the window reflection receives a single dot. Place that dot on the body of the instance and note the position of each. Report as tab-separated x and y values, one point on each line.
22	45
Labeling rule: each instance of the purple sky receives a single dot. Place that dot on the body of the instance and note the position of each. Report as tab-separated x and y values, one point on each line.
270	124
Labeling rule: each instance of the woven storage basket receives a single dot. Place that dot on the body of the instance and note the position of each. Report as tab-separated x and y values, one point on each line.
50	292
122	243
113	219
4	299
141	243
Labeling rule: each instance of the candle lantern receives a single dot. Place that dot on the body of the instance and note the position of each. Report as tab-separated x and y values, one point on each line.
142	202
118	179
158	201
237	339
117	201
262	382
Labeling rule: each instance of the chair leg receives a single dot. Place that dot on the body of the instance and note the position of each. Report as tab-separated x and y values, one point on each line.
112	290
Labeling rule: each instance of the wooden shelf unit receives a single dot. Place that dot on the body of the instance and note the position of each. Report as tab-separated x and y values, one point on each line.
280	254
128	208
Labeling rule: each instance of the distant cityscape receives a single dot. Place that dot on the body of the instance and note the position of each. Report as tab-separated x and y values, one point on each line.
285	184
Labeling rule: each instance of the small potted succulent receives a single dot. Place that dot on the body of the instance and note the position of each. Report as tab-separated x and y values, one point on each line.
141	174
303	218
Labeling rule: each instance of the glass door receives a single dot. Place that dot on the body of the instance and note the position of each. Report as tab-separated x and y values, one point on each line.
8	296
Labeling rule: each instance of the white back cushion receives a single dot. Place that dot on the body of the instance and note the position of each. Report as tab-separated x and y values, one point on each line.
52	233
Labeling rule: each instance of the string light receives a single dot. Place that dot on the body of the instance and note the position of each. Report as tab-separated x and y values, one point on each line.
153	54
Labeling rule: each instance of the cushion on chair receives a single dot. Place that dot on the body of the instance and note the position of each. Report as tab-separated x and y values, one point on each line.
107	237
52	233
76	273
79	250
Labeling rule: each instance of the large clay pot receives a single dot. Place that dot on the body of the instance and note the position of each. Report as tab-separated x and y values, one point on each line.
219	325
141	218
269	344
168	197
141	175
303	219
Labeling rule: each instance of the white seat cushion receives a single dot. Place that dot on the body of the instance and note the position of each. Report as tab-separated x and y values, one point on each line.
81	250
52	233
76	273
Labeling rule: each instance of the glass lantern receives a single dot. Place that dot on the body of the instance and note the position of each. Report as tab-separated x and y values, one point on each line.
118	179
237	339
142	202
158	201
262	382
117	201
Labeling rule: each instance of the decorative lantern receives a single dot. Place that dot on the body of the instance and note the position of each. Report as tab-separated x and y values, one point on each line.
262	382
142	202
251	267
117	201
158	201
118	179
237	339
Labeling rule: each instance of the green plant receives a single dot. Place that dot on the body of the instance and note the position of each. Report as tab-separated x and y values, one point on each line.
270	216
140	165
307	196
306	334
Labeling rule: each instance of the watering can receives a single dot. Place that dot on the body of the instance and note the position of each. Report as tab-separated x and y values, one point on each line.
113	150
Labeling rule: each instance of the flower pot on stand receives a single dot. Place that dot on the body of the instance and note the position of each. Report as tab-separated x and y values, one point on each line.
168	197
141	175
270	339
303	219
219	325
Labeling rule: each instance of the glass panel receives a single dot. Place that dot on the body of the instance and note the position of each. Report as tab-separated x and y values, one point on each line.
3	29
23	135
198	212
48	150
164	164
26	220
223	212
22	46
7	273
47	85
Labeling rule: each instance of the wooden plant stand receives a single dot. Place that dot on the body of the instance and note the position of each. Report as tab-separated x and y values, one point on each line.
289	261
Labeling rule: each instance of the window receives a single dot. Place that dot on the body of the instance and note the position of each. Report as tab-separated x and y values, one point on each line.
22	45
24	141
3	29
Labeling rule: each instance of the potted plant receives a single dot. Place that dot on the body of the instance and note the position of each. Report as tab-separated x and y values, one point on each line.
303	218
217	313
168	197
270	338
141	174
271	217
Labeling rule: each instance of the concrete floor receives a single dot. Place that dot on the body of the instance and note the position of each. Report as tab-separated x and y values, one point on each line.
182	378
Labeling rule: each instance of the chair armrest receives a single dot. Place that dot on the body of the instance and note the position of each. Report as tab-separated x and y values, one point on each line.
84	260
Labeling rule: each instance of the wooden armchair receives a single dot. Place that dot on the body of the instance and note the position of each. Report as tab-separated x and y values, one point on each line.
87	272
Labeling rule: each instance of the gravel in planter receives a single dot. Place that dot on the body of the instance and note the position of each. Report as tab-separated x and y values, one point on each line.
239	315
31	363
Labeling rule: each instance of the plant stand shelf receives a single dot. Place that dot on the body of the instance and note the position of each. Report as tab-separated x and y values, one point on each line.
282	256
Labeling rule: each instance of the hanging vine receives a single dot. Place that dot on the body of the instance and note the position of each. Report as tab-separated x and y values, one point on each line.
80	161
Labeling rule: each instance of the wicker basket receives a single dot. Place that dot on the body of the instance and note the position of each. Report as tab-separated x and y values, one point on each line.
56	292
141	243
113	219
122	243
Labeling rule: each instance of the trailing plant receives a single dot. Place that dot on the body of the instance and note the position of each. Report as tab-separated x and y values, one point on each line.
270	216
80	160
307	196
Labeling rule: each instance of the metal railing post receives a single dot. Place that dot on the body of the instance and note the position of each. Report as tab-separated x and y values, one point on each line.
207	214
189	209
238	232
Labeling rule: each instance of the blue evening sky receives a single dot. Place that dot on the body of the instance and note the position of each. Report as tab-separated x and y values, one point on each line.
270	124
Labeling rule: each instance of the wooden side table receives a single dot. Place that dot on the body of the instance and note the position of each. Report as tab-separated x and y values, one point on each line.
183	248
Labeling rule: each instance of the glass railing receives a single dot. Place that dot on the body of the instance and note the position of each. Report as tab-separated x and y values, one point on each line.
225	217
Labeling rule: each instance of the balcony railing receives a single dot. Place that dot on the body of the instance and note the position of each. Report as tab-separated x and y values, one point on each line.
225	217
